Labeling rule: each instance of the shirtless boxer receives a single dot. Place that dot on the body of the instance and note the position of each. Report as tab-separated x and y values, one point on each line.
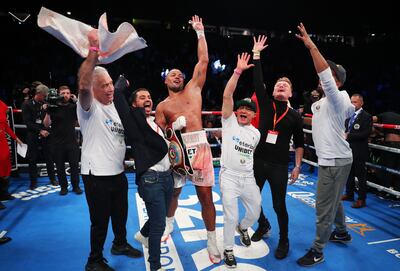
182	110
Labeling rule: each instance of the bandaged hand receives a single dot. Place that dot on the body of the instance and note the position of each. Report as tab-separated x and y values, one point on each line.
197	24
179	123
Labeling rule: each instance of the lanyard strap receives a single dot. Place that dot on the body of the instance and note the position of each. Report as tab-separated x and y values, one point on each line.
281	117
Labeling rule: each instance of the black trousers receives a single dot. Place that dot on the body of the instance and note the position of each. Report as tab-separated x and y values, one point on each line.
106	196
67	153
359	170
35	147
277	176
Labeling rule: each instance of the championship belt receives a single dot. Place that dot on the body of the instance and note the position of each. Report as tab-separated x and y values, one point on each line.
177	153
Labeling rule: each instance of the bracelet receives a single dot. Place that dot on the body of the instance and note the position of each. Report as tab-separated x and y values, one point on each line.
94	49
200	33
297	167
237	71
256	51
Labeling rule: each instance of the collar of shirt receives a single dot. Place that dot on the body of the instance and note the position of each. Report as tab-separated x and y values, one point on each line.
358	111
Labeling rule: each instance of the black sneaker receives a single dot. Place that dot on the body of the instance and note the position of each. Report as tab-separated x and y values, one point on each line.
229	258
263	231
244	236
340	237
311	258
126	250
63	191
77	190
98	266
7	197
33	185
5	239
283	249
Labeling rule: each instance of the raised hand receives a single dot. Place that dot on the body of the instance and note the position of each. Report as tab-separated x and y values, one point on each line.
93	37
197	23
305	37
259	43
242	62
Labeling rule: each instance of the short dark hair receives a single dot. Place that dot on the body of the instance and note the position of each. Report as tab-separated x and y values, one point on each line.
247	102
62	88
133	96
358	95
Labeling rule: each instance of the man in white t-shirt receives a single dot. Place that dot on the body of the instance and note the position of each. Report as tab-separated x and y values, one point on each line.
103	153
239	140
334	153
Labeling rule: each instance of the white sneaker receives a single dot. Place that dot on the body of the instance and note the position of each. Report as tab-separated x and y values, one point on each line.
140	238
169	228
161	269
213	252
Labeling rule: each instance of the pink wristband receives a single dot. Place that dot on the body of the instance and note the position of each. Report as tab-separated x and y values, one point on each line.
237	71
94	49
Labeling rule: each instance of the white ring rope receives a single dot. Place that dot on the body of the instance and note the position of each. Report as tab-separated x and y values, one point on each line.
131	163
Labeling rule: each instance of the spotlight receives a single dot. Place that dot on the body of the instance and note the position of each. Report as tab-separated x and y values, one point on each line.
217	66
164	73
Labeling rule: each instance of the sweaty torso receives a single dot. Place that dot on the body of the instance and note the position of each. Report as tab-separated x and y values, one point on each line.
186	103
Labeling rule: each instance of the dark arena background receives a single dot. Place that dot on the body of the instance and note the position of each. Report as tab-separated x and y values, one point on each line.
50	232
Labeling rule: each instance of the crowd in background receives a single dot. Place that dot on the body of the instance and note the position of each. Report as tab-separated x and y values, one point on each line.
372	66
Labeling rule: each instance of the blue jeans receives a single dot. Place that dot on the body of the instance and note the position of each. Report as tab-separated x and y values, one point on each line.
155	188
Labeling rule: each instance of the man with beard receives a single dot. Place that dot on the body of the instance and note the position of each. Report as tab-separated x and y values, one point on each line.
153	173
333	151
182	109
63	120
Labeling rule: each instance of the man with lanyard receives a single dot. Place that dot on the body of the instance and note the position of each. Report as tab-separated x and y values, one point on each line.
278	123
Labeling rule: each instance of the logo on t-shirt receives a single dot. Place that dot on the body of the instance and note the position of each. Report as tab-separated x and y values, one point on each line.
115	127
243	148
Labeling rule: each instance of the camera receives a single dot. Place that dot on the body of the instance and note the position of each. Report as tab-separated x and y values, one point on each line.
53	98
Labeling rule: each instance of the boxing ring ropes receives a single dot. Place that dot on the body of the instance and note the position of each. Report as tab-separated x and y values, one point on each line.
218	113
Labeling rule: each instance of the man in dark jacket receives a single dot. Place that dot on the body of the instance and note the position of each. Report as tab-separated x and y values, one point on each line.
358	129
153	173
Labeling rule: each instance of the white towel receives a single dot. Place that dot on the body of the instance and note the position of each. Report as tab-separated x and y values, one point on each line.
74	34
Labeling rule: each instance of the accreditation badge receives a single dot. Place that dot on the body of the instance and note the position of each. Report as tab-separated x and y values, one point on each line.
272	136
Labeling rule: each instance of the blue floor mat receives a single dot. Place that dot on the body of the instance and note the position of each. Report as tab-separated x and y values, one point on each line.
51	232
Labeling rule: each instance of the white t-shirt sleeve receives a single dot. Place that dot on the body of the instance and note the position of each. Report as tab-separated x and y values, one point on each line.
258	136
229	122
82	113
